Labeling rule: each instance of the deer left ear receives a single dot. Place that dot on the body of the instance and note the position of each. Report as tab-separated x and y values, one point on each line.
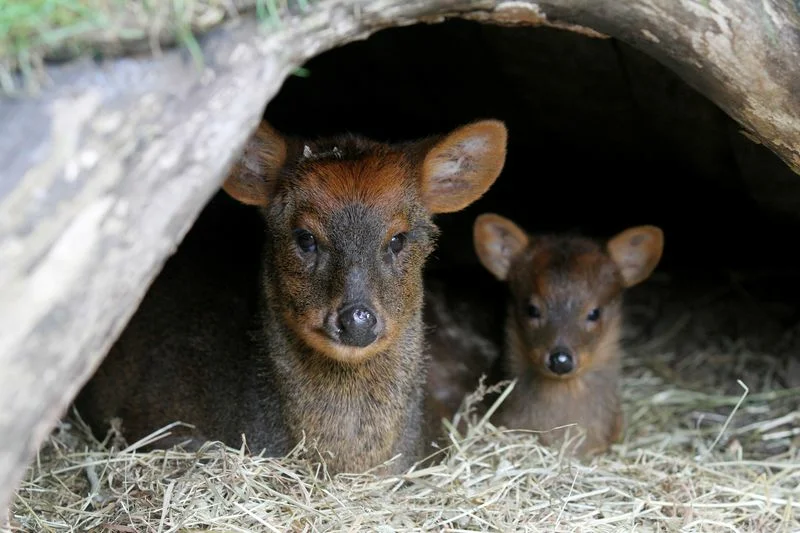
461	167
637	251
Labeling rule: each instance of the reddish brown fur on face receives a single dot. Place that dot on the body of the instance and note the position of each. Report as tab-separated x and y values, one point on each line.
565	304
354	196
331	198
381	180
565	279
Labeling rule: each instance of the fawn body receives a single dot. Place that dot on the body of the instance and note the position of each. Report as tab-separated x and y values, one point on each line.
336	354
563	325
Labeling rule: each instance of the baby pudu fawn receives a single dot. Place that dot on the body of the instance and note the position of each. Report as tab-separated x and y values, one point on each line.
337	356
563	325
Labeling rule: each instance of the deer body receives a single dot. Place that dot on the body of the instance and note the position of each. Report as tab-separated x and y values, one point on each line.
337	354
563	324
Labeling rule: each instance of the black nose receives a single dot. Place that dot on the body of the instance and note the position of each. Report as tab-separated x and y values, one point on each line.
357	324
561	362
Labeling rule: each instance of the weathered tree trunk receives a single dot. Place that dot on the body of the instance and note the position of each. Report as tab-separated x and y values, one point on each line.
103	173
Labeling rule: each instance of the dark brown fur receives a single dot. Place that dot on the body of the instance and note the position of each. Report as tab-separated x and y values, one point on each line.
360	405
565	278
464	317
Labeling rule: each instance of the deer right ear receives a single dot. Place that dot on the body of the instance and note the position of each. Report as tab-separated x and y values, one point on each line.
252	178
497	241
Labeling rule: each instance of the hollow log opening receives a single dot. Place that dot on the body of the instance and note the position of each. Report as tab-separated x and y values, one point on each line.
601	137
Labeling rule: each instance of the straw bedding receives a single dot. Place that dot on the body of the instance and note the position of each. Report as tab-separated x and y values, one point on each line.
712	403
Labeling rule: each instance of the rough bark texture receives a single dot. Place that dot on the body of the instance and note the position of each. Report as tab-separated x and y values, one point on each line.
105	171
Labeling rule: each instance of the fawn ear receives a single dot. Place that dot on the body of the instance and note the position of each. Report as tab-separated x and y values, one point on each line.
253	176
637	251
461	166
497	241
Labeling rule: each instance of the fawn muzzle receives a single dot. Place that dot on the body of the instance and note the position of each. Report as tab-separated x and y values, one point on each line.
560	361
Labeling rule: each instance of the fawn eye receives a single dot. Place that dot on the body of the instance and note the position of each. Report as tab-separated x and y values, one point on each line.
533	311
594	315
305	240
397	243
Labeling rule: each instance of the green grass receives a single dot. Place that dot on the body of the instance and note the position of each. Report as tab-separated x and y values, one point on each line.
34	31
27	26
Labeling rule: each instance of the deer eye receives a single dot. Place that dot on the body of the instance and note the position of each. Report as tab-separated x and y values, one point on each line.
594	315
305	240
533	311
397	243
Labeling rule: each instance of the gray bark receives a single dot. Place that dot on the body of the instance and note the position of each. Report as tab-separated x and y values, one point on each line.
104	171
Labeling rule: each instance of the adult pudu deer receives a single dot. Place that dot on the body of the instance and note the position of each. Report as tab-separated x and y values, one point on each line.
337	353
563	325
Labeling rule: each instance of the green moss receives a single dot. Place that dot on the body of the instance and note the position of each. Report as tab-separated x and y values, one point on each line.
29	24
35	30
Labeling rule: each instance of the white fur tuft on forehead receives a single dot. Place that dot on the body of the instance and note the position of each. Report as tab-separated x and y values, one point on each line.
335	153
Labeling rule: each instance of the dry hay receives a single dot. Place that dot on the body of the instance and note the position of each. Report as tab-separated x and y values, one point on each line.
711	445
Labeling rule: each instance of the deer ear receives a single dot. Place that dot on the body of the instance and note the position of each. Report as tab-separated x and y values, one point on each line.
497	240
253	176
461	166
637	251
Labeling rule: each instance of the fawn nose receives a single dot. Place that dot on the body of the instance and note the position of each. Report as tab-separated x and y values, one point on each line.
560	362
357	324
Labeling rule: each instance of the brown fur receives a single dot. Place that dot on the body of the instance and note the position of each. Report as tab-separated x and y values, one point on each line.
565	278
463	317
360	405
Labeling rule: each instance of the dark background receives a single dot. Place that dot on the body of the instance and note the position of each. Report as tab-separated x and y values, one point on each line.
601	137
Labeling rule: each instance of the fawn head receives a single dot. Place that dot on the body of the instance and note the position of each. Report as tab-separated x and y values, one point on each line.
565	292
349	225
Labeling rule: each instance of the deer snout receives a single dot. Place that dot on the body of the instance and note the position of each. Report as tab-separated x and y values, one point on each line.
357	324
560	361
